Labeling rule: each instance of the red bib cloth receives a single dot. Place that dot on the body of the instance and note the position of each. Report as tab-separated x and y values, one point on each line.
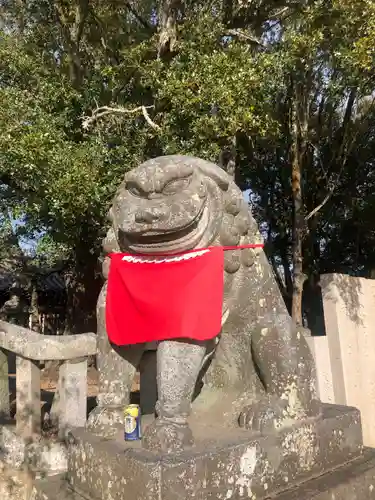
160	298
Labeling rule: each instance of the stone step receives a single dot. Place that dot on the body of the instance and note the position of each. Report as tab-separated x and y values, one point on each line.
354	481
55	488
224	464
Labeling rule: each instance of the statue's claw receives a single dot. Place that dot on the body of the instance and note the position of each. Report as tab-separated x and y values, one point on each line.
272	413
264	416
167	437
106	421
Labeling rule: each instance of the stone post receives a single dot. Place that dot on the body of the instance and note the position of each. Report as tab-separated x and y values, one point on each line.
28	397
72	404
322	356
4	385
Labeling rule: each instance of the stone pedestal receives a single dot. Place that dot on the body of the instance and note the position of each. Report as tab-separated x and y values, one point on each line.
225	464
353	481
37	455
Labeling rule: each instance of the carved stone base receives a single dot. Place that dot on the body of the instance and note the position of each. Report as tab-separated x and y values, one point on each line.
223	464
106	421
36	454
353	481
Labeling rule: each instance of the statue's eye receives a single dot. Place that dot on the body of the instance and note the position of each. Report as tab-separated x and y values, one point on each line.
134	190
175	186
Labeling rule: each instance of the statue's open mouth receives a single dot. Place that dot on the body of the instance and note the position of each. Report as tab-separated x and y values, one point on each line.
167	242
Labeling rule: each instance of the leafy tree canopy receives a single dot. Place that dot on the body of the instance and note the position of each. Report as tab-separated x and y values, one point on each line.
90	88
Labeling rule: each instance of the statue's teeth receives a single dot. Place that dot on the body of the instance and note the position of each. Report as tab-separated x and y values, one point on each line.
158	260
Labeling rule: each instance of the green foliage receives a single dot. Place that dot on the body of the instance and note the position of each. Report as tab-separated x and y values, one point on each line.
48	253
230	80
54	172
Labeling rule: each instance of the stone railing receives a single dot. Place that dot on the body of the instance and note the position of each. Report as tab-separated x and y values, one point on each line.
30	348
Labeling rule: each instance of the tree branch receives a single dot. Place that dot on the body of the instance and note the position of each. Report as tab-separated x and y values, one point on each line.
243	35
344	142
280	13
88	121
140	19
321	205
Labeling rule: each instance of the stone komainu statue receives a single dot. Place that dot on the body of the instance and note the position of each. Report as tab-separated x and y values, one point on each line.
258	373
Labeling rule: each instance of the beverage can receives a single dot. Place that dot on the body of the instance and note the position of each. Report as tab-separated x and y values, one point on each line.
132	421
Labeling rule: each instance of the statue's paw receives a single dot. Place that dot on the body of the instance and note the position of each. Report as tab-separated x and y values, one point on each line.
167	437
105	421
264	416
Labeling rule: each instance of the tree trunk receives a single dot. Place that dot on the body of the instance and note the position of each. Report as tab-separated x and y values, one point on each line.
298	213
72	34
83	287
168	26
20	5
34	309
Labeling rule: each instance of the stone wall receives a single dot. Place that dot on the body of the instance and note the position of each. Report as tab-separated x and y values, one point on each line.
345	357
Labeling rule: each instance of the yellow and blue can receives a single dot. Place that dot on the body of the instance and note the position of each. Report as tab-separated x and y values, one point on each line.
132	420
